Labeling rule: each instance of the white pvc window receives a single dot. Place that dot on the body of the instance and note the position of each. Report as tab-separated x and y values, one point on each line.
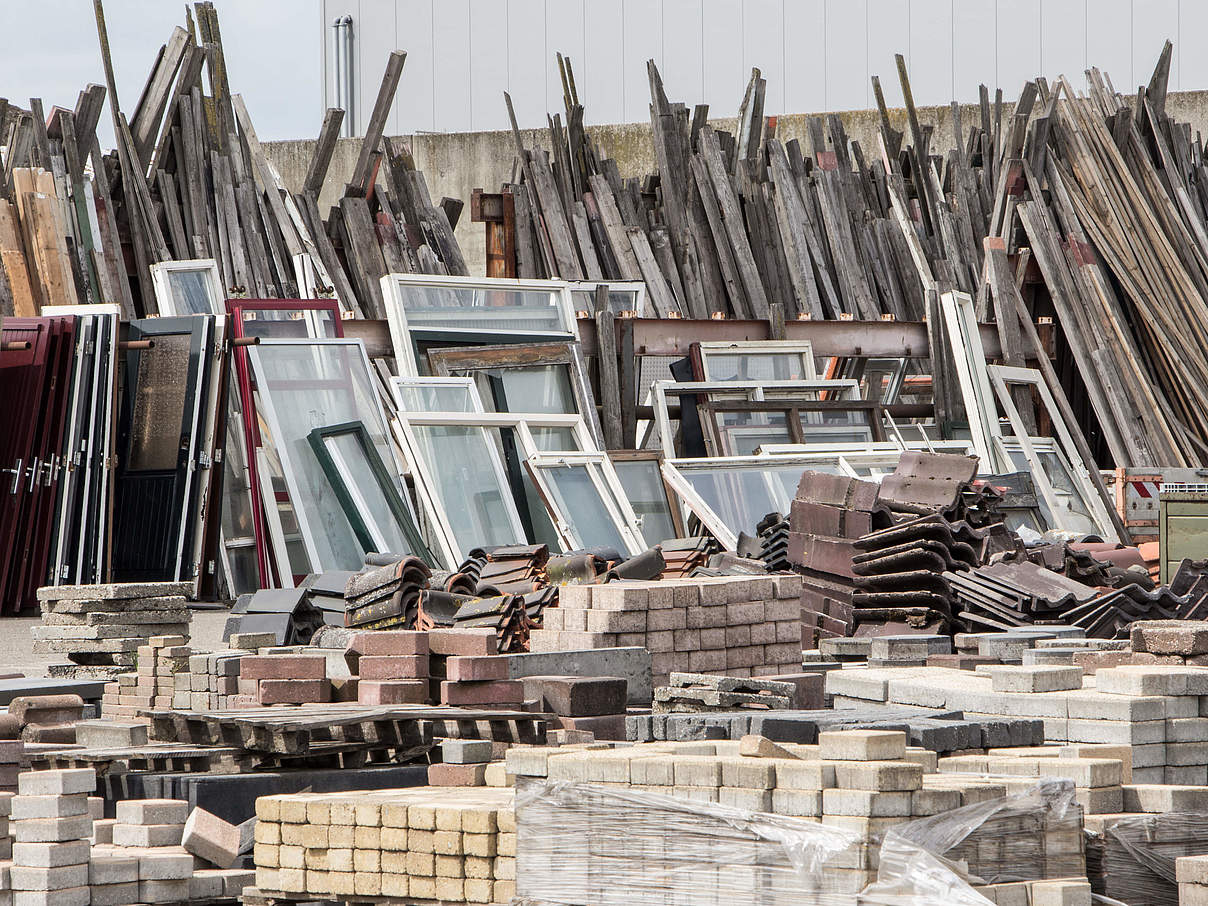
190	287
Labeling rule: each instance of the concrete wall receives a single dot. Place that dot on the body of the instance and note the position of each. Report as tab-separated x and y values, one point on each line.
454	164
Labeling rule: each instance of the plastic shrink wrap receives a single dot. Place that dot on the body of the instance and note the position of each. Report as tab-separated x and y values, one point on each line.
1133	858
585	845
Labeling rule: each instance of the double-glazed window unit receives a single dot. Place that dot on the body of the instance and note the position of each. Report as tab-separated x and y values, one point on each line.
472	476
754	360
586	502
304	386
530	378
653	500
624	297
428	311
738	428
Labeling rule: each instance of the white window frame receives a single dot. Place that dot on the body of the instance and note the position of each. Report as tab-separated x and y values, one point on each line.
1063	445
521	423
757	348
397	383
393	286
166	301
643	309
608	485
690	498
960	321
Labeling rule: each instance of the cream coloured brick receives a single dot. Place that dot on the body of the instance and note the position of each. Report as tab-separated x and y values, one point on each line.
862	745
878	775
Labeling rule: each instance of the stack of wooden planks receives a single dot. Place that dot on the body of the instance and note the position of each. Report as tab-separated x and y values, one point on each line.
1087	209
189	180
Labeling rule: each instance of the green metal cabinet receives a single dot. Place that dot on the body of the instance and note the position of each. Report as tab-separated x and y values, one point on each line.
1183	525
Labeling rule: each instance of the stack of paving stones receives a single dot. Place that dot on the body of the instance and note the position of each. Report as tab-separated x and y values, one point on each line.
219	844
595	704
1191	874
391	667
464	762
735	626
284	679
1155	709
211	682
466	671
697	692
863	782
100	627
160	661
51	825
420	844
1129	857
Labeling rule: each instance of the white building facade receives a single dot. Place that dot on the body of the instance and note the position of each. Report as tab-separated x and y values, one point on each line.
815	54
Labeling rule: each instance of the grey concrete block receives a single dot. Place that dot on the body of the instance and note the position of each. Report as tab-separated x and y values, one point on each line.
633	664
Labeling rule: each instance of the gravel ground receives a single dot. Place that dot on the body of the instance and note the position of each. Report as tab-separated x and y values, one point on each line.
16	641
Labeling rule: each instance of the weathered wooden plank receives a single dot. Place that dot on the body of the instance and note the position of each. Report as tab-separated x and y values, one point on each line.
325	146
377	121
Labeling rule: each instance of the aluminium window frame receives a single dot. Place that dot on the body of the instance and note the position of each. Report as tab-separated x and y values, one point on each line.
403	335
607	484
452	361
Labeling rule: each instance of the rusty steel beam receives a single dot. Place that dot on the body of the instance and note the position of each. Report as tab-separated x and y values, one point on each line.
673	336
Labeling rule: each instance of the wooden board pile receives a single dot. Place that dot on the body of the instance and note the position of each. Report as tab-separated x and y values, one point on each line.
1087	208
189	179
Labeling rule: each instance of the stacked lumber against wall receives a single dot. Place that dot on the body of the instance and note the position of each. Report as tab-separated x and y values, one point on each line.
189	179
1089	208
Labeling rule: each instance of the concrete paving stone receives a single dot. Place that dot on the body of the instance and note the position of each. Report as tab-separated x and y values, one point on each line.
25	877
51	855
208	837
163	891
1035	678
465	751
1184	775
56	783
147	834
1182	637
166	863
884	776
861	745
51	830
48	806
1098	705
152	811
71	896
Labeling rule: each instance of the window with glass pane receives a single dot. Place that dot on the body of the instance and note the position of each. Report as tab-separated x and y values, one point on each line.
482	308
749	366
1074	513
642	481
434	397
465	466
619	300
192	292
308	385
578	499
741	497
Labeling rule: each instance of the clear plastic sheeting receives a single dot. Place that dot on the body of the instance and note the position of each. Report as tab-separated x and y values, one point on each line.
591	845
1030	836
1133	859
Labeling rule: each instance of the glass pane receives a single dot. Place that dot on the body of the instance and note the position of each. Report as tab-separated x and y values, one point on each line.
643	485
755	366
556	440
1074	514
483	308
578	500
741	497
619	300
741	433
288	324
313	385
160	396
839	426
190	292
465	466
434	397
360	479
539	388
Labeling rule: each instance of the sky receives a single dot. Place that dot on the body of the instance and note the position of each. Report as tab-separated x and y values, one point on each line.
272	47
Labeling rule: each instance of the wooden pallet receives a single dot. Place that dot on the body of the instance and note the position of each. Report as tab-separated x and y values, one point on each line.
296	730
159	758
254	896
